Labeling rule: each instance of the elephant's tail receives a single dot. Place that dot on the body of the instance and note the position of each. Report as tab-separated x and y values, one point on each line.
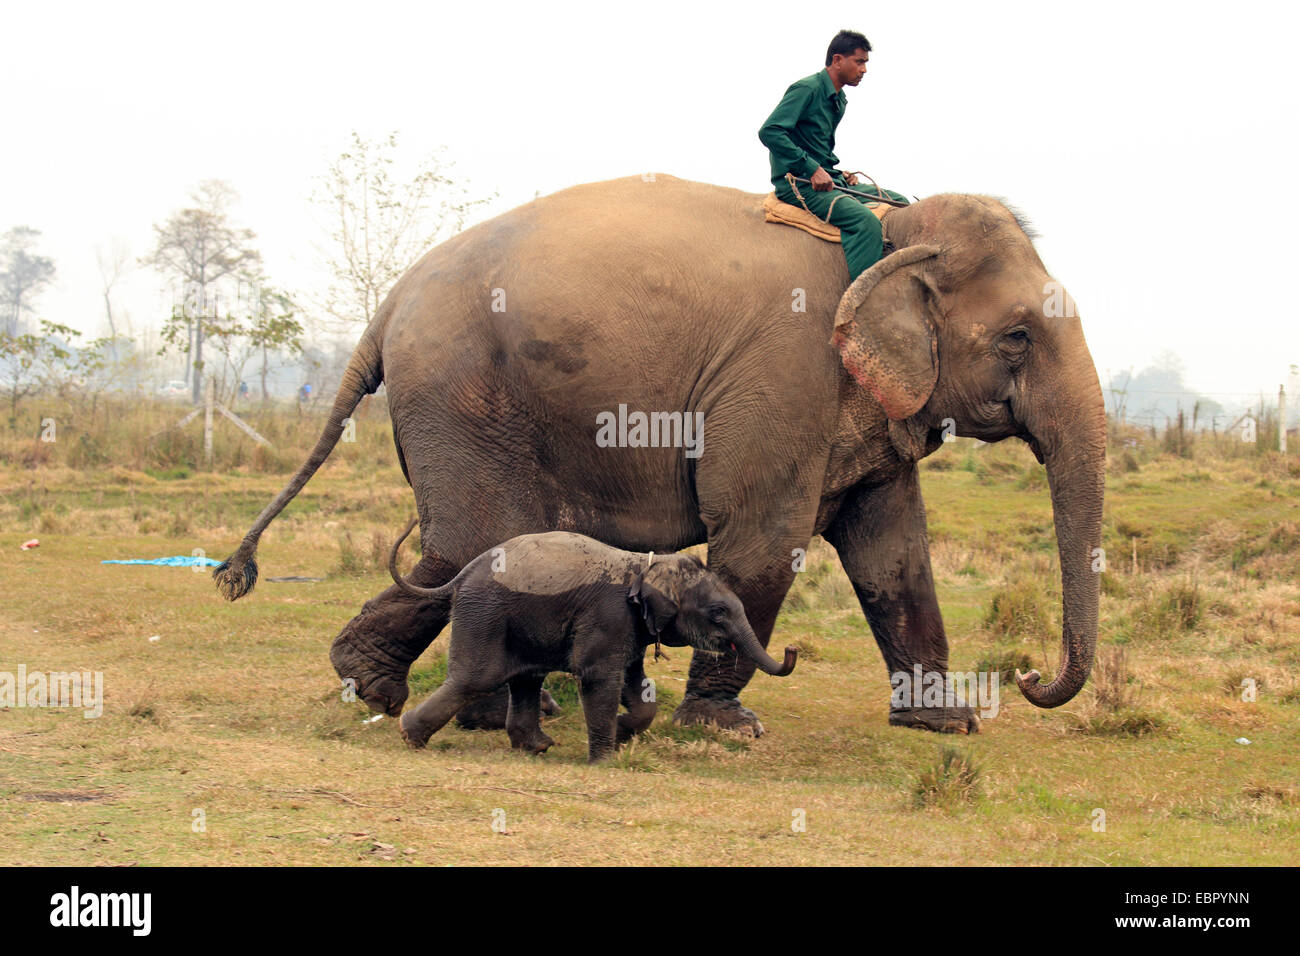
236	575
441	596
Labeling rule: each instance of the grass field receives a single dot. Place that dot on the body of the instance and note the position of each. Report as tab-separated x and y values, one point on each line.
226	739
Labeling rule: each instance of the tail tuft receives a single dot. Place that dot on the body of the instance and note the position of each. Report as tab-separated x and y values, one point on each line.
235	577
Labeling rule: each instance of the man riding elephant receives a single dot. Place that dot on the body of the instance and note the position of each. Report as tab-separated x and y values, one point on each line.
800	134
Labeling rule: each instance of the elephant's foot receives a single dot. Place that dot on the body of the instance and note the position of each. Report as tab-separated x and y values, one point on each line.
726	712
376	678
534	743
489	713
599	753
415	735
627	731
629	726
942	720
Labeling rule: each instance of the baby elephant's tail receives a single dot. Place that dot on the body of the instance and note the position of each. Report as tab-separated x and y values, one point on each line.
441	595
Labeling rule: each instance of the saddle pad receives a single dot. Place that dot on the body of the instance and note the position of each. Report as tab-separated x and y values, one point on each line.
787	215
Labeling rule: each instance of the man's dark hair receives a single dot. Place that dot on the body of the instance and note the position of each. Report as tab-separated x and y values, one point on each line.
845	42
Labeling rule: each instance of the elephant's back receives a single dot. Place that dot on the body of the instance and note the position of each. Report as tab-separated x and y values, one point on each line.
660	224
555	562
611	262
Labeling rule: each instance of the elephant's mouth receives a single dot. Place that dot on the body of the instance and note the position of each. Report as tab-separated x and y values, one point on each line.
992	421
716	647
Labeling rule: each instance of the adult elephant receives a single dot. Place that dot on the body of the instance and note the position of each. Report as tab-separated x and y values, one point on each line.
506	348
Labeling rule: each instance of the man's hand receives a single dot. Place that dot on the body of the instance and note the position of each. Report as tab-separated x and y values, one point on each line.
821	180
850	179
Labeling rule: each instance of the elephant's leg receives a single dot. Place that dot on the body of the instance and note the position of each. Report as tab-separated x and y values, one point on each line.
490	711
600	695
754	556
639	700
524	719
421	723
475	665
375	649
881	538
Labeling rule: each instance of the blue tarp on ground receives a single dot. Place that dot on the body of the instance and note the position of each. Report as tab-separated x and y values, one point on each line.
176	561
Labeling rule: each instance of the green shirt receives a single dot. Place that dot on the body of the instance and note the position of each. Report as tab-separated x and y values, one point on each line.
800	133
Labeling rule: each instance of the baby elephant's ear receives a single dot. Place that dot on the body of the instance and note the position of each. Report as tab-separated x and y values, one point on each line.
659	609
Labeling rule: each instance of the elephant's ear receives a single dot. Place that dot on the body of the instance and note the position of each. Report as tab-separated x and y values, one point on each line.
884	333
658	608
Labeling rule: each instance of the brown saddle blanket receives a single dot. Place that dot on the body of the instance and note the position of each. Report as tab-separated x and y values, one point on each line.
787	215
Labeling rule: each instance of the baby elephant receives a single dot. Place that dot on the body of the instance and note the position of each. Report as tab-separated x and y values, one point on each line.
564	602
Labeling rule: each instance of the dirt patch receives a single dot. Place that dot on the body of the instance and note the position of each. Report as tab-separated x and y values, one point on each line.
68	796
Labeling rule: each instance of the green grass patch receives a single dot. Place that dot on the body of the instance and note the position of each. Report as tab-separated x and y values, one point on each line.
1019	609
954	780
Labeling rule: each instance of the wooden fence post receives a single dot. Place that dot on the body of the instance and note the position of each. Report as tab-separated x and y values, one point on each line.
1281	419
207	422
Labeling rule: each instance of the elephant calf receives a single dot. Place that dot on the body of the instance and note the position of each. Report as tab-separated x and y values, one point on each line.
564	602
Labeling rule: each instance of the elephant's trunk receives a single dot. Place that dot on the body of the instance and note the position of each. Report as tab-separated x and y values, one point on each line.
746	642
1072	437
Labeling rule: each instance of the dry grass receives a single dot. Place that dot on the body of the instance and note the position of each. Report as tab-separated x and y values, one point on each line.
235	712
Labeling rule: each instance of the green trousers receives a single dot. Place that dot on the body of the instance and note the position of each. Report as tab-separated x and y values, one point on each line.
860	231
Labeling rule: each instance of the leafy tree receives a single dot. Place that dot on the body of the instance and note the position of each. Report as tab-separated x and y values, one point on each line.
200	247
379	224
48	360
264	323
278	331
22	275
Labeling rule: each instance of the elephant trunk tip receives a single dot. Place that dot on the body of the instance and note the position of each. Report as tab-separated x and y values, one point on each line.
1024	681
1046	696
787	665
236	575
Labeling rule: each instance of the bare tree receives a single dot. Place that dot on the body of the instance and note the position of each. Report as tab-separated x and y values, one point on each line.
114	261
22	275
379	225
200	247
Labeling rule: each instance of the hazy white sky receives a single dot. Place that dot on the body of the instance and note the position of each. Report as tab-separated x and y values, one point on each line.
1153	144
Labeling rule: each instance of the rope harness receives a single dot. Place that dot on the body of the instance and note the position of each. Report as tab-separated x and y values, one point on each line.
794	180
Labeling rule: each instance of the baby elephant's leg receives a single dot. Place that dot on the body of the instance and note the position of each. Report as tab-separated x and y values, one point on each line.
600	694
424	721
639	699
523	722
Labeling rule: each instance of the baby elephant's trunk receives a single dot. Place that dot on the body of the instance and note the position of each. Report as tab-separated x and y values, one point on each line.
747	643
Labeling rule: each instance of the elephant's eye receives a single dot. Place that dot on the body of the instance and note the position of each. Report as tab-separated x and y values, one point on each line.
718	612
1015	343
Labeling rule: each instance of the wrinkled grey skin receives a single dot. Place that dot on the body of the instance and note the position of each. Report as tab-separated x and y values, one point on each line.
563	602
501	346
